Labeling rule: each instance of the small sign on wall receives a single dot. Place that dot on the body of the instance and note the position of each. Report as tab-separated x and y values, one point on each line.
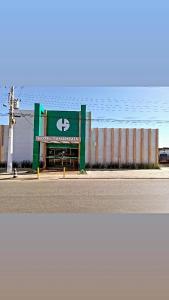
58	139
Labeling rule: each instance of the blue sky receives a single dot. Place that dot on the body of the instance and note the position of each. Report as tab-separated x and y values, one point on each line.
89	43
110	106
84	43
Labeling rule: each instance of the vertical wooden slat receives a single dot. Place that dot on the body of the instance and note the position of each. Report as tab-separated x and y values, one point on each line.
157	141
104	144
149	146
112	145
119	146
127	145
3	134
3	147
0	142
134	145
90	139
142	146
96	145
45	133
2	154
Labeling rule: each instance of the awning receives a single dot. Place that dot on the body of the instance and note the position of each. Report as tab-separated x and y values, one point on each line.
58	139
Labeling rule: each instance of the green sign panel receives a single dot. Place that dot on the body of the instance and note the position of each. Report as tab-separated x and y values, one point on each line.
60	125
63	123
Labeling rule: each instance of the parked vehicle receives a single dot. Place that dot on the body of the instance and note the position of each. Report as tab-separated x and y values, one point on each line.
163	158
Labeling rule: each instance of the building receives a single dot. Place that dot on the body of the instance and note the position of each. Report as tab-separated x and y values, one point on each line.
57	139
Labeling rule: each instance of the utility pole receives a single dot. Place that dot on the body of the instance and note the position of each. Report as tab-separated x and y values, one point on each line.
11	101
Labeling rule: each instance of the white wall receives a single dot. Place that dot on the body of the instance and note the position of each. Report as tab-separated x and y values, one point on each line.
88	133
109	145
23	136
3	142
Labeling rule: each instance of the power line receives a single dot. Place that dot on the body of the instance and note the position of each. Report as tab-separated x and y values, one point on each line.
97	105
101	119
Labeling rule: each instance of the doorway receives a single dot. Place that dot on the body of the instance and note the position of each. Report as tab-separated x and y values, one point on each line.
58	158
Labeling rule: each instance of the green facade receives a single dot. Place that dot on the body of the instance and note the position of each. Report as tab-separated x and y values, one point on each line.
83	137
54	116
60	123
38	127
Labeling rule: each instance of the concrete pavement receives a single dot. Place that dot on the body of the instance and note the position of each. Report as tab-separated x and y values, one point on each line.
162	173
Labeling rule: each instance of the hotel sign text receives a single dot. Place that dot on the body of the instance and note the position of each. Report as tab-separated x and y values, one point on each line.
58	139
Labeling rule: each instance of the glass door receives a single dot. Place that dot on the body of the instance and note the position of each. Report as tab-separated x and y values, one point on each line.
58	158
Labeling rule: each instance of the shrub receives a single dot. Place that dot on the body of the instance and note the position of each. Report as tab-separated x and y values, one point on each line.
3	164
26	164
87	166
41	165
15	164
122	166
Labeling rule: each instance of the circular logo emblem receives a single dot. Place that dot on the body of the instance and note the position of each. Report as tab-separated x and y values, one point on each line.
63	124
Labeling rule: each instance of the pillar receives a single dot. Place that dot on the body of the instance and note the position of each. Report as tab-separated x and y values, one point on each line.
38	111
83	137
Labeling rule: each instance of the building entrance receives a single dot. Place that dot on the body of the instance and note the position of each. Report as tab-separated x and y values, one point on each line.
58	158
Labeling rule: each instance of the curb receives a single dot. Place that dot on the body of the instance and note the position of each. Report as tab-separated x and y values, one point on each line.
116	178
74	178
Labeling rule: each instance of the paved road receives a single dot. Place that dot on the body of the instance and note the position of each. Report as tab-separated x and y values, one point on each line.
120	196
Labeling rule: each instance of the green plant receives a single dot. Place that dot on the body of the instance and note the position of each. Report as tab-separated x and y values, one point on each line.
127	166
3	164
41	165
15	164
26	164
87	166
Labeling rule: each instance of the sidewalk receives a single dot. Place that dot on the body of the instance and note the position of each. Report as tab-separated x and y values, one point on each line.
162	173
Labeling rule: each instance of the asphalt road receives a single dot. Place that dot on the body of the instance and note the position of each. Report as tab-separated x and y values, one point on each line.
84	196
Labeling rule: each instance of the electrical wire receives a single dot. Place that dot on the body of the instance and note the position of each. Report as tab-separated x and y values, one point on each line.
99	119
111	105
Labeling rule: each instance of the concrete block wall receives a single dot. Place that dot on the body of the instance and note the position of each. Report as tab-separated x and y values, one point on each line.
3	142
88	135
121	146
23	136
